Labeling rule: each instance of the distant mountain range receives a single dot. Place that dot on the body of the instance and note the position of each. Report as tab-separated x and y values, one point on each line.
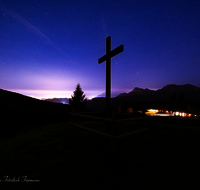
190	93
113	94
58	100
140	98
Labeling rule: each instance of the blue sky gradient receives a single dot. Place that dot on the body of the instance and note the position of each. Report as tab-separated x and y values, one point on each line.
47	46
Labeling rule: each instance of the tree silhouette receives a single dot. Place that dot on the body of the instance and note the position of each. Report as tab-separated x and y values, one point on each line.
78	100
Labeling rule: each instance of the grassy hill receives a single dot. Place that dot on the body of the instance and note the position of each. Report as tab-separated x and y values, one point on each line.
167	152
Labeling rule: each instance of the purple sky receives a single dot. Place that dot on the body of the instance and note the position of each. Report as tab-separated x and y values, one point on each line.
47	46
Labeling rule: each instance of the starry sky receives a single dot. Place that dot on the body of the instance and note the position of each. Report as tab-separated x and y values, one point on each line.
48	46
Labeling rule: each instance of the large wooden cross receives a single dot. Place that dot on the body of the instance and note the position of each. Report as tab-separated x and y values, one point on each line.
107	57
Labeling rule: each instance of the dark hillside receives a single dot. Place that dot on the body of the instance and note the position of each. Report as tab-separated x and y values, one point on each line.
19	112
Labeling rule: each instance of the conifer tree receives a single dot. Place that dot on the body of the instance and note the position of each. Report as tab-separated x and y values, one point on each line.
78	100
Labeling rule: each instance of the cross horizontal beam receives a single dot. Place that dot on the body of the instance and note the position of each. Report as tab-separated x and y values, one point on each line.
114	52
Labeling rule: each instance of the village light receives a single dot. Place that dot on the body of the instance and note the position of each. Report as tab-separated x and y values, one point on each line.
152	110
155	112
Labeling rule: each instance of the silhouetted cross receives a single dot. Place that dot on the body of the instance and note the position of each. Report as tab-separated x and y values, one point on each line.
107	58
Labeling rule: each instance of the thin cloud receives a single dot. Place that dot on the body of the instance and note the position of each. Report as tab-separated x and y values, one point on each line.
27	24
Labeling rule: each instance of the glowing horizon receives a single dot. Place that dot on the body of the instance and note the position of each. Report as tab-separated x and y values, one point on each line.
45	94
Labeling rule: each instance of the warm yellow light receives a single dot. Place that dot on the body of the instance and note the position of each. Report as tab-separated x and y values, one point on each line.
184	114
152	110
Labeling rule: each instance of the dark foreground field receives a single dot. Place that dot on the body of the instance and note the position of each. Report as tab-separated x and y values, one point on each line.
167	153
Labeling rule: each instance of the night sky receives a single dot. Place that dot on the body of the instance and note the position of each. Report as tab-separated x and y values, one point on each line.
48	46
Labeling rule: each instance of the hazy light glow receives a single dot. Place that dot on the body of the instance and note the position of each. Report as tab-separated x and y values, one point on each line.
40	94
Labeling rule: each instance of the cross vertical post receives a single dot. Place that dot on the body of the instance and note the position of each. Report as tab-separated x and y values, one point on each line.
107	57
108	74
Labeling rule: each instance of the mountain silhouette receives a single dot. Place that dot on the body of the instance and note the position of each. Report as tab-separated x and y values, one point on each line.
140	98
113	94
190	92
